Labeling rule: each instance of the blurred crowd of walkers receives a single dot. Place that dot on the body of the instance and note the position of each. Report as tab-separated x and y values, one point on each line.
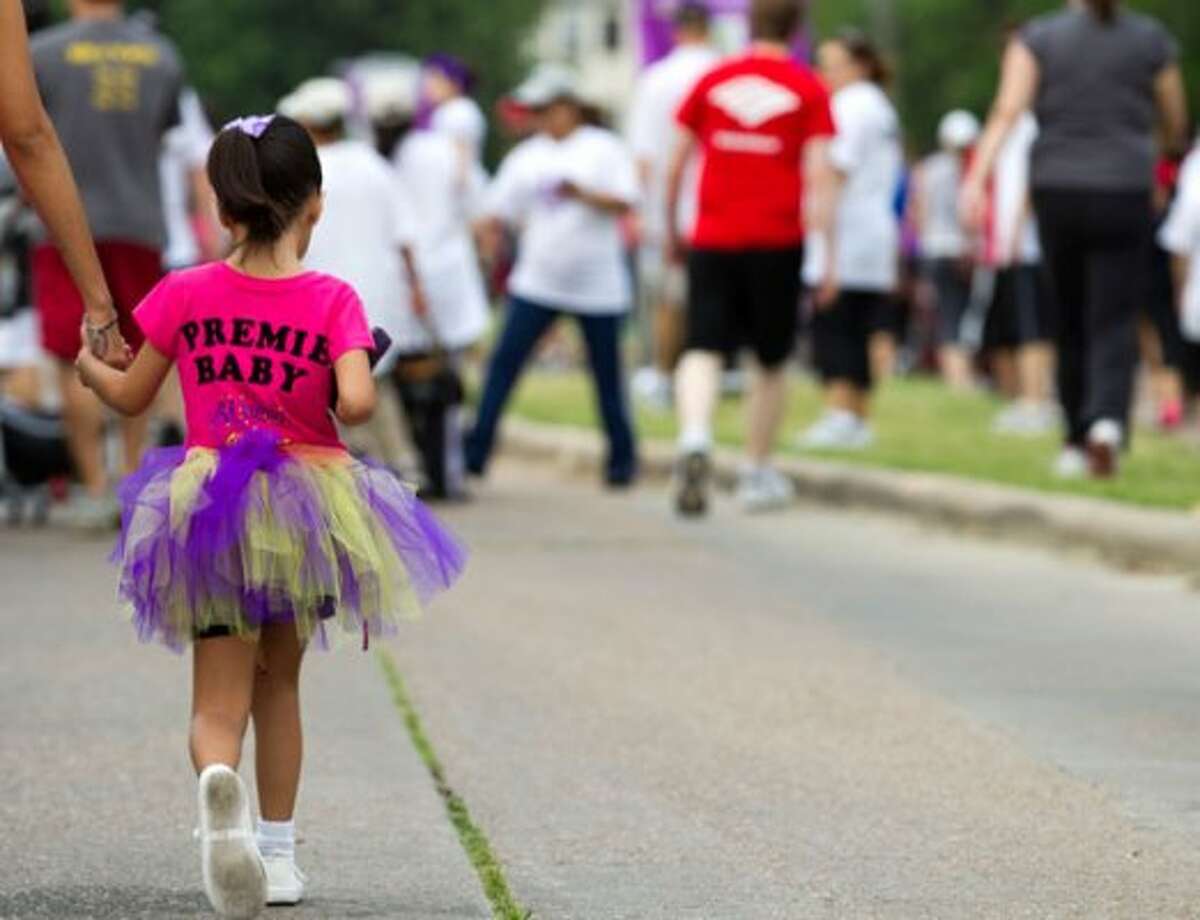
749	206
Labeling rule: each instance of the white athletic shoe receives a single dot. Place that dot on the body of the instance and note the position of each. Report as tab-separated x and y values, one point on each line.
764	489
1072	463
235	879
733	383
87	514
285	882
1104	448
1026	420
838	430
653	389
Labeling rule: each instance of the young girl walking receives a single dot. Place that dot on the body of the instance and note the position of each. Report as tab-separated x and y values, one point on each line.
262	534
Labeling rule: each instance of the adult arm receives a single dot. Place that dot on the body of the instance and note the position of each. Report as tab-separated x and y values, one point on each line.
39	162
824	183
685	148
416	290
601	201
1171	98
130	392
1018	88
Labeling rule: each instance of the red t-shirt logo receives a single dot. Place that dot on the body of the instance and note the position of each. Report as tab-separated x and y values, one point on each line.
753	116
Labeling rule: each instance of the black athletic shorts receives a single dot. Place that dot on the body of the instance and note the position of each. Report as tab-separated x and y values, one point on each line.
213	632
952	288
1021	312
745	296
841	336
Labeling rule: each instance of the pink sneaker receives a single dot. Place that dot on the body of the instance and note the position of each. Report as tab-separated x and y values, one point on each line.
1170	415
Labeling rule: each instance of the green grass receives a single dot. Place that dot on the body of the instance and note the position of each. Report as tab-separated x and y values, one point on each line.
920	426
473	840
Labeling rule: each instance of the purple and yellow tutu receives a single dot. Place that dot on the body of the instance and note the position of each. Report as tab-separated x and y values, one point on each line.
261	533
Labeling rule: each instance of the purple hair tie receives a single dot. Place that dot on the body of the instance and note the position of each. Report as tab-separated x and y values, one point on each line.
252	125
453	68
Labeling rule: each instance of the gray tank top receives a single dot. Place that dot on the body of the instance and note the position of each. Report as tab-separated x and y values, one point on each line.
1095	100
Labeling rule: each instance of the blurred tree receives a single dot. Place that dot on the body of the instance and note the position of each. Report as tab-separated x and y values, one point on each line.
243	55
947	52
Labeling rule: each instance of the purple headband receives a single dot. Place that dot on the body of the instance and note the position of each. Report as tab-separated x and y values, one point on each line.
453	68
253	125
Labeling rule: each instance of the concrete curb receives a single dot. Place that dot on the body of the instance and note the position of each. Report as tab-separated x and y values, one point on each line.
1127	537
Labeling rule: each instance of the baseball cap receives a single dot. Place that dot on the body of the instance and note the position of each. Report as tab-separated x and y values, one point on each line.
392	94
548	83
959	129
320	102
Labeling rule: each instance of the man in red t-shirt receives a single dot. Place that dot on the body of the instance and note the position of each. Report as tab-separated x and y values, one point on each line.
761	122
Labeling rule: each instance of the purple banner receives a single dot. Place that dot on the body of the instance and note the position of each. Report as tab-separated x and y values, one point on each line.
730	29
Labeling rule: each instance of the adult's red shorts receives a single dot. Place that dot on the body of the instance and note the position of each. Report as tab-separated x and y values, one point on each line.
131	271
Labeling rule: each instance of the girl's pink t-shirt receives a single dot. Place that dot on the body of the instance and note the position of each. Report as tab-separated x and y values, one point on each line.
255	353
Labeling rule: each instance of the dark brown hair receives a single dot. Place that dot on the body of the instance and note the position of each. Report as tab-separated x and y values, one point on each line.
263	182
692	17
866	54
1104	10
775	20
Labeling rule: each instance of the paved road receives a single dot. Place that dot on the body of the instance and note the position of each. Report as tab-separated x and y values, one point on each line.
97	799
816	715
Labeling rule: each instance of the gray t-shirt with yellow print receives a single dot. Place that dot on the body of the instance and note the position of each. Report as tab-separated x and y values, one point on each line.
112	88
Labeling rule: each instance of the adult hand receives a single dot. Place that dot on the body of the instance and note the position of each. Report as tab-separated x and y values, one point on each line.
972	205
827	293
420	303
676	249
105	342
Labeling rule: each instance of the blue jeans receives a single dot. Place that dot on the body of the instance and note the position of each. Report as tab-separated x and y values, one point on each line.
525	325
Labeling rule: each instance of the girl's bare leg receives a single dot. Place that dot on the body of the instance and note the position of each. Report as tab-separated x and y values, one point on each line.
222	685
278	737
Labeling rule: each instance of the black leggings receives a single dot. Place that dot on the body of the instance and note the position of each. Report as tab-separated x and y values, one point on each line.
1095	248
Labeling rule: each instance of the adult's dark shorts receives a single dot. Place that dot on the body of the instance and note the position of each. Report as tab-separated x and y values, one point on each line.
745	296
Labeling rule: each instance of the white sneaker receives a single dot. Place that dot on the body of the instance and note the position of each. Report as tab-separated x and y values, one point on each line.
693	474
838	430
235	879
733	383
1104	448
1072	463
652	388
285	882
1026	420
87	514
764	489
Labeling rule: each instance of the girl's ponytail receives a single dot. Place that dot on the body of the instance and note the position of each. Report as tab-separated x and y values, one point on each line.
263	171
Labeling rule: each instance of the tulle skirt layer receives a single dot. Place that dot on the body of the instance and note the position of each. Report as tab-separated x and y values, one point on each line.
259	533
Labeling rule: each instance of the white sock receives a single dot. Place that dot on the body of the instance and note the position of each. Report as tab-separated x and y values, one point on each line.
695	438
277	838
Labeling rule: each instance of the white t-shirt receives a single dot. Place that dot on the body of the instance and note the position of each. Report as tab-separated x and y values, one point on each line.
1180	235
570	255
445	252
185	149
652	132
461	120
939	180
867	151
364	225
1015	237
